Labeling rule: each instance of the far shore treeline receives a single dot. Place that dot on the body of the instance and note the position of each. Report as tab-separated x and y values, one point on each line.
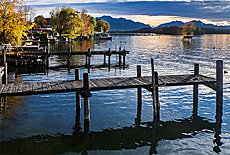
175	30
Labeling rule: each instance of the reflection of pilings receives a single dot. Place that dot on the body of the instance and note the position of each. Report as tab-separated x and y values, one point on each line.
110	139
156	125
195	91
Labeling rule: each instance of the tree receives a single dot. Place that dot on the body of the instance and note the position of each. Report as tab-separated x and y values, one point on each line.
88	23
13	22
40	21
102	26
188	29
66	20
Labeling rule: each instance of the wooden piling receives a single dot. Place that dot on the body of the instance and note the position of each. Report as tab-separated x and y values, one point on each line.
219	83
123	58
104	59
109	54
154	90
78	97
120	56
157	94
195	90
86	94
139	90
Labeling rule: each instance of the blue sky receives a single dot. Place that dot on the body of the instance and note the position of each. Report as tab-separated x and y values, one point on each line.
148	12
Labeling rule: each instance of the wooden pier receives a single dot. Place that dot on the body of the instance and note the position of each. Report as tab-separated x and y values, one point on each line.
41	57
84	87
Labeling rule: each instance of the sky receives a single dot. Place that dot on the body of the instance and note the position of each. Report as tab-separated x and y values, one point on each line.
149	12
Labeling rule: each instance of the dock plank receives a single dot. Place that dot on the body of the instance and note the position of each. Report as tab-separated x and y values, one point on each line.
34	88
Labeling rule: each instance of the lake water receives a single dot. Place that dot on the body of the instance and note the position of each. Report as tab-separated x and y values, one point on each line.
45	124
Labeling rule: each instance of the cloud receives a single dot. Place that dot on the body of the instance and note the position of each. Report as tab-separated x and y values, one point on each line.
209	10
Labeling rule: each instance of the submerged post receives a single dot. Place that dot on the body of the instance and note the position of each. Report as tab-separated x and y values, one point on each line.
219	92
195	90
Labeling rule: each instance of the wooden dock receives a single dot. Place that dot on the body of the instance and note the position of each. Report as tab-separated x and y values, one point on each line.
35	88
41	56
84	87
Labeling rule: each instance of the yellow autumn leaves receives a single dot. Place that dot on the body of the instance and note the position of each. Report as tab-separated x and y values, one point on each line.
13	22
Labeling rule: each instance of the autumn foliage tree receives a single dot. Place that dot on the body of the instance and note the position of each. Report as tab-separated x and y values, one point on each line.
188	29
102	26
88	23
40	21
13	22
66	20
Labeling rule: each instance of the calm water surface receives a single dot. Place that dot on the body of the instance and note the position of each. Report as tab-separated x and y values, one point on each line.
45	124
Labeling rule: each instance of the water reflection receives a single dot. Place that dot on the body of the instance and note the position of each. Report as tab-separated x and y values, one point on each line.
145	134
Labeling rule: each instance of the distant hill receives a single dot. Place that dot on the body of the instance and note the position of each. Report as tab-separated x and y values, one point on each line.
122	24
197	22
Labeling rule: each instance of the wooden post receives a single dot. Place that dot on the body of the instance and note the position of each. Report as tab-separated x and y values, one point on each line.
153	90
48	54
89	54
120	56
69	54
139	89
195	91
123	58
104	59
219	92
86	94
139	98
78	99
109	57
157	95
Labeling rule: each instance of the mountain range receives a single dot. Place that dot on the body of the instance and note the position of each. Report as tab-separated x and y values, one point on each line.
122	24
197	22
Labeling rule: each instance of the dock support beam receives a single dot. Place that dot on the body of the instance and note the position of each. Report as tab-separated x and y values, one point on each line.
109	54
156	104
195	91
139	98
124	58
78	98
86	94
219	92
120	56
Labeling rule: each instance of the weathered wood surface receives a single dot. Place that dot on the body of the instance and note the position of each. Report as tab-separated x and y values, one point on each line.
34	88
